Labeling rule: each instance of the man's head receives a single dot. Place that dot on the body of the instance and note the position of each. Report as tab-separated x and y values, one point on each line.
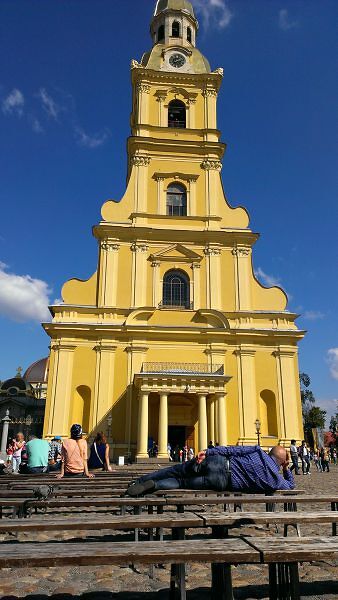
76	432
279	455
293	442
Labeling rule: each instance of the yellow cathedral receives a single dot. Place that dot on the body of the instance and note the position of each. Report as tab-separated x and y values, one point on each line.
173	339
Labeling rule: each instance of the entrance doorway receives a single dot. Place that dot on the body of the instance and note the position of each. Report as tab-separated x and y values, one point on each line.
180	436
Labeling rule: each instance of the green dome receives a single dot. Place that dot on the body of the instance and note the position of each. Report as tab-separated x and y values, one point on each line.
175	5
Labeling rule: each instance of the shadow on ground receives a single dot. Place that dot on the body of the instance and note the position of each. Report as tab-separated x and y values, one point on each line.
309	591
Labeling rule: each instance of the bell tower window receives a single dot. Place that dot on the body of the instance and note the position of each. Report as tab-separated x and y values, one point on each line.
175	31
177	114
160	33
189	35
176	289
176	200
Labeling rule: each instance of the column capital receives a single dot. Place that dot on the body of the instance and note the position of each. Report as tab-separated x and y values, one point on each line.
209	251
245	352
209	93
155	264
139	160
59	346
287	352
109	245
139	247
241	251
211	165
135	349
143	88
105	348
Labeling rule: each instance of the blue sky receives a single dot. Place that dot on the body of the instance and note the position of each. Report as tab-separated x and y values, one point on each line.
65	100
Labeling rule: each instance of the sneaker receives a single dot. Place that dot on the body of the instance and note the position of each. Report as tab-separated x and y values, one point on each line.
138	489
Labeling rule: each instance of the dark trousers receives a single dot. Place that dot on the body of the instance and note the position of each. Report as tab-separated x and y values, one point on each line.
32	470
305	464
294	458
211	474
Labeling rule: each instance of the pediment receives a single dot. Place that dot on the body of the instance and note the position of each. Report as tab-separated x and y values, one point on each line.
176	252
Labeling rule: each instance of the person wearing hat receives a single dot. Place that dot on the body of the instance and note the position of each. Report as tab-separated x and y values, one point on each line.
74	455
54	456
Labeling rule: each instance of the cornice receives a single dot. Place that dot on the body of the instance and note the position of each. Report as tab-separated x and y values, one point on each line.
210	151
197	80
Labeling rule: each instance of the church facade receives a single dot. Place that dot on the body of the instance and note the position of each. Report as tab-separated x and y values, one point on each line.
173	339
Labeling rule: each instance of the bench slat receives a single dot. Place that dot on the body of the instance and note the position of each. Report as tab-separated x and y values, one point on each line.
294	549
255	518
95	553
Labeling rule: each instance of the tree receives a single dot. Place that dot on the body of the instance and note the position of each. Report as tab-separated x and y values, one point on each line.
333	427
313	416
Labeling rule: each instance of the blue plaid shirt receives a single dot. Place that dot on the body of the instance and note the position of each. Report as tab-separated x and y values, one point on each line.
252	470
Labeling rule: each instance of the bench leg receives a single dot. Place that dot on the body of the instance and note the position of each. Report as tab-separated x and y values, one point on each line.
177	572
334	507
284	581
221	582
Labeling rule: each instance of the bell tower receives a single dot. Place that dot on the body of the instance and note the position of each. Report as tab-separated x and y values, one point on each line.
173	339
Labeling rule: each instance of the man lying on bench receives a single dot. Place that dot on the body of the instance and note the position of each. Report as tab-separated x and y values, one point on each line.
245	469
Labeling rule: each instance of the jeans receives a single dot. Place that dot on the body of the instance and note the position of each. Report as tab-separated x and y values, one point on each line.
305	464
36	469
211	474
16	461
294	458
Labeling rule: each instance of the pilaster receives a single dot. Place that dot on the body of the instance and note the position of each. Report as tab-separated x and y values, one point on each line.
139	274
60	402
247	394
243	276
288	395
104	382
212	170
140	163
136	357
108	271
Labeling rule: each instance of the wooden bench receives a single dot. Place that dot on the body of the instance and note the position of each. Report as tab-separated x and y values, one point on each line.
227	521
220	553
120	503
283	555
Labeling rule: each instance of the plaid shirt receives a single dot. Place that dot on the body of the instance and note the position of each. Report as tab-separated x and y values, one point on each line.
252	470
55	450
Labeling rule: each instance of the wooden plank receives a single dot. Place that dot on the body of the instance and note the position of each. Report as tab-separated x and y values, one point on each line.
167	521
259	499
256	518
84	503
95	553
294	549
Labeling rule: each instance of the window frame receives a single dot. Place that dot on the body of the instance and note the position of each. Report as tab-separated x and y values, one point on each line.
178	296
171	193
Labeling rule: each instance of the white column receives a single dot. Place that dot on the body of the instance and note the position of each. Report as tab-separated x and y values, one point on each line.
156	279
163	426
140	164
202	422
104	382
196	281
108	273
4	436
211	420
248	407
59	413
289	402
221	418
142	441
243	277
161	197
143	91
139	280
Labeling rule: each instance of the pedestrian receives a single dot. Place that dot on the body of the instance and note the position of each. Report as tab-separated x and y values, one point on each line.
37	455
99	453
304	454
169	452
74	455
191	454
317	461
294	457
211	445
246	469
181	455
15	450
324	457
54	457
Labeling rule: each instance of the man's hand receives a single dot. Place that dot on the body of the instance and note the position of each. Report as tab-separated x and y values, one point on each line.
59	477
285	464
90	475
200	457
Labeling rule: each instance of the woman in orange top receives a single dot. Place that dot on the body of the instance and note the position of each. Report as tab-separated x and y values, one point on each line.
74	455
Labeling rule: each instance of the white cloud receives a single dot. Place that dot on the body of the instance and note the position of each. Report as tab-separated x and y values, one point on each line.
36	125
215	13
313	315
268	280
284	21
23	298
91	141
333	362
51	107
14	103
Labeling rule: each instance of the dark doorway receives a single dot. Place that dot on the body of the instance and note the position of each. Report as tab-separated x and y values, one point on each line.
176	436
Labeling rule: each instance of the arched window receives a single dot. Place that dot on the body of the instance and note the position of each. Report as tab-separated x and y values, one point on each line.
189	35
160	33
177	114
175	32
176	289
176	200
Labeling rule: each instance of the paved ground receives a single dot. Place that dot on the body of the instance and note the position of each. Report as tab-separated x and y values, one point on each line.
319	580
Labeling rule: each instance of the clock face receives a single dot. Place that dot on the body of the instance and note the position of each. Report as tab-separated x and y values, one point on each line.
177	61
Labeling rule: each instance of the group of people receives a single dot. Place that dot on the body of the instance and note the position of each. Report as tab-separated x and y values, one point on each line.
322	457
67	458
